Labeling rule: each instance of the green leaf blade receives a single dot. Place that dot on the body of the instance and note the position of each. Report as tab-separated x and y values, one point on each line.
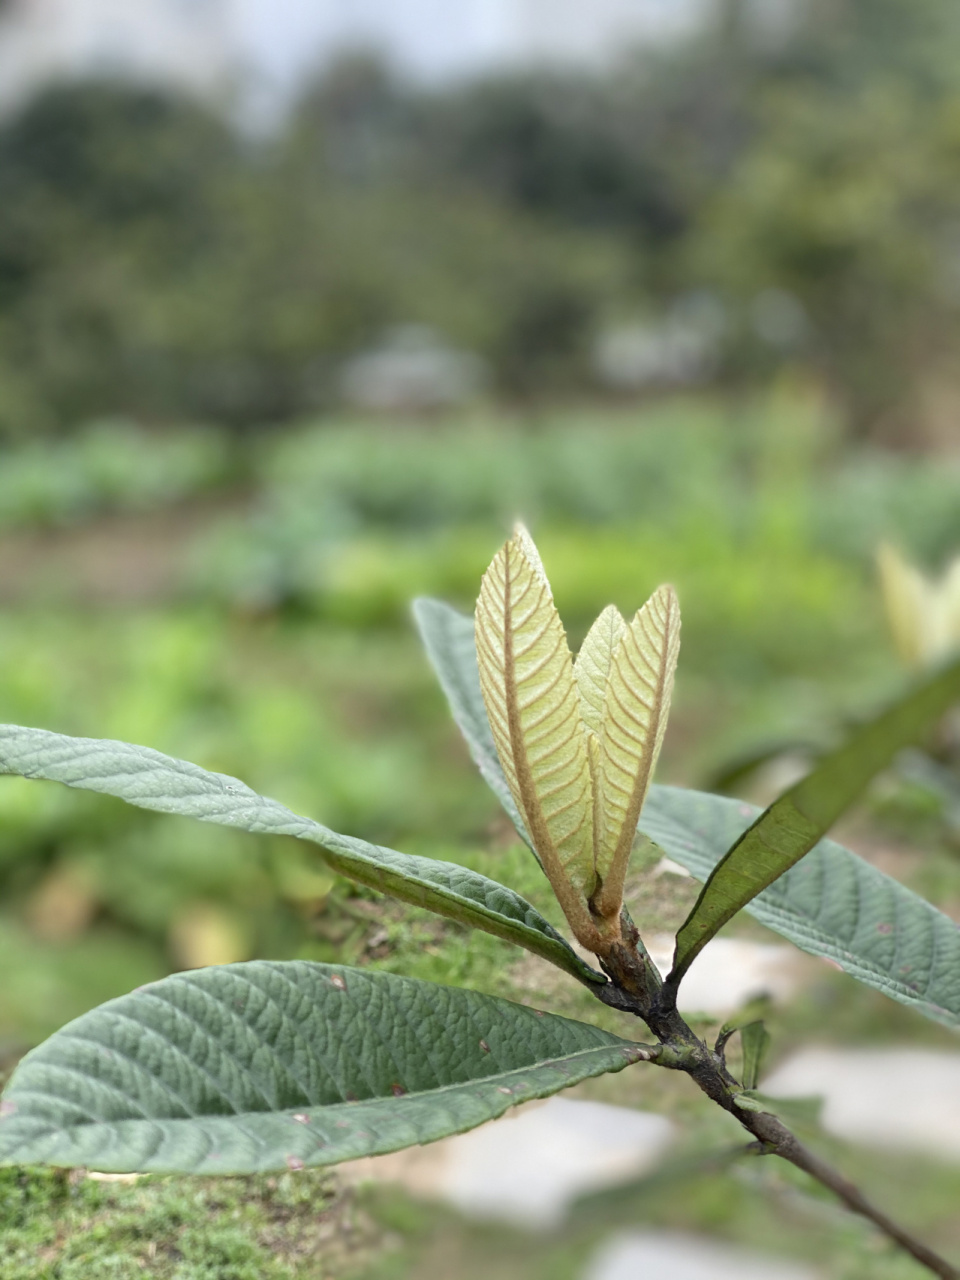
793	824
448	637
450	644
831	903
150	780
266	1065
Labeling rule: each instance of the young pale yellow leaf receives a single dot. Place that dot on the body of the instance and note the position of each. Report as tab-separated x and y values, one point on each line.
905	596
526	675
592	667
924	615
635	713
521	536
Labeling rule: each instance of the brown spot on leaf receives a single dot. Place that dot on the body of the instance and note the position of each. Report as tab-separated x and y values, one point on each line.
295	1163
884	928
338	982
484	1046
301	1118
397	1090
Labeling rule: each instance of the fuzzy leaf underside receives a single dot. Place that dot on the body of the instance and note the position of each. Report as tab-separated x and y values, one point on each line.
526	676
591	669
793	824
151	780
636	709
256	1067
830	904
904	593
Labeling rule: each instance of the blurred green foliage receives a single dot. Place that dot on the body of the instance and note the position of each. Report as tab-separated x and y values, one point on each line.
749	506
111	466
157	267
794	180
285	655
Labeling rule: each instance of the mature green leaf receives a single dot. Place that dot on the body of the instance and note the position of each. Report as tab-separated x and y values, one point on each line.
146	778
268	1065
790	827
831	903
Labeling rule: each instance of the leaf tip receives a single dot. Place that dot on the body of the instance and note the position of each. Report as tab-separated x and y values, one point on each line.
525	545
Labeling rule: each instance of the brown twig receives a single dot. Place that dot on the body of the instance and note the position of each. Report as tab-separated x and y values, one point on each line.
636	988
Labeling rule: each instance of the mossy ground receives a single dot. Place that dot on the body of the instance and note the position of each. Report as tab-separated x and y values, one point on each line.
60	1226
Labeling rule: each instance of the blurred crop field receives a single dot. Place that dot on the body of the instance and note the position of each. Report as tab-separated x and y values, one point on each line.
245	605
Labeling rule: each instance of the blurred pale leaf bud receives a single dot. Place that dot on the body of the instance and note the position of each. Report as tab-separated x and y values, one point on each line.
923	612
203	934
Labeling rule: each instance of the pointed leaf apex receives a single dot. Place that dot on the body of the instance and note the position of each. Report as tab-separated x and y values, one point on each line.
533	706
526	546
635	712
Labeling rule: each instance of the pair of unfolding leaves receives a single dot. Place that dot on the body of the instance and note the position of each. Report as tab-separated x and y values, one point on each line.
269	1065
577	742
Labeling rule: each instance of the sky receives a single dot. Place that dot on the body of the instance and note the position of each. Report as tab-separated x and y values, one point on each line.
431	37
438	38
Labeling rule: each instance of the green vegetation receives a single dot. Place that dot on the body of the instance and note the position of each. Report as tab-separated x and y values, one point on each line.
257	1067
318	695
245	1229
786	188
240	596
281	649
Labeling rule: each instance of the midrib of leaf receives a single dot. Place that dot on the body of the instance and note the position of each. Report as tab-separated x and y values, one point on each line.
435	1094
